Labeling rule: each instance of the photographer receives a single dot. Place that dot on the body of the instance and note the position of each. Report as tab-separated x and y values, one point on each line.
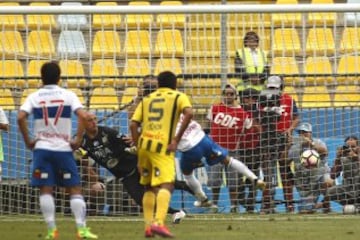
347	162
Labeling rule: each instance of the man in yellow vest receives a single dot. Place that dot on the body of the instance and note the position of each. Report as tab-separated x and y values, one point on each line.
251	63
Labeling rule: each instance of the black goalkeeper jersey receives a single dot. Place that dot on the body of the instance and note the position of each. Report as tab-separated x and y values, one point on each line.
108	150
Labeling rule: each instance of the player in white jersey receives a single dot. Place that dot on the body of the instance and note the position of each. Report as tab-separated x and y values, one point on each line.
196	145
52	145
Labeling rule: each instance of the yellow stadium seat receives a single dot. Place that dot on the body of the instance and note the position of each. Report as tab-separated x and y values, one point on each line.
104	72
350	40
286	42
128	96
320	42
137	43
169	64
249	20
13	73
33	73
204	42
40	21
79	94
204	20
135	67
286	19
104	98
72	68
315	96
6	99
171	20
206	65
347	96
169	43
348	65
106	44
286	65
40	43
11	44
318	65
290	90
12	22
139	21
321	19
106	21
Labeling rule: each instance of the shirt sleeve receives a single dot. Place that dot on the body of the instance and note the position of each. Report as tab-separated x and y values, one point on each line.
75	103
3	118
27	105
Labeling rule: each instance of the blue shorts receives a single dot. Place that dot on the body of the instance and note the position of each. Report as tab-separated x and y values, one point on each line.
206	148
53	168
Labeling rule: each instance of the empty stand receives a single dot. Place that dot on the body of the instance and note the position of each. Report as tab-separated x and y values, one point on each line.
12	22
171	20
40	43
286	65
316	96
33	73
348	68
106	44
104	72
286	42
106	21
72	68
128	96
139	21
249	20
72	44
79	94
315	66
290	90
203	42
12	74
104	98
135	67
347	96
72	21
206	65
321	19
169	43
320	42
41	21
350	40
11	44
286	19
137	43
6	99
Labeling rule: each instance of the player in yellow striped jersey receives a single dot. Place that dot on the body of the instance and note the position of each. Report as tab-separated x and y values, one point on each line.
158	114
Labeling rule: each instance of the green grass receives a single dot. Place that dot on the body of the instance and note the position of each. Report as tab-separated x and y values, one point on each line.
201	227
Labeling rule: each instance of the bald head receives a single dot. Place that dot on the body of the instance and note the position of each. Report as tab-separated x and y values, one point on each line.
91	124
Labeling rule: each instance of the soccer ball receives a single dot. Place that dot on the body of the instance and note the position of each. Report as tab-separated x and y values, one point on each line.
310	158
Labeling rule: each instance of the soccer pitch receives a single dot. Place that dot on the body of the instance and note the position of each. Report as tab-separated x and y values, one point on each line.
199	227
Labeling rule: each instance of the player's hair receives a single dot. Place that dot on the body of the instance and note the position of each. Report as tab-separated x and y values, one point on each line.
351	137
50	73
149	76
250	35
167	79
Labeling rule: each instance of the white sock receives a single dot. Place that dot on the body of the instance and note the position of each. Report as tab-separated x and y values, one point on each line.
47	207
240	167
78	207
195	185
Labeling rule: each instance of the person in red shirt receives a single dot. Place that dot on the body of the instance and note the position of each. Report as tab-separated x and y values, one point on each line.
289	120
228	121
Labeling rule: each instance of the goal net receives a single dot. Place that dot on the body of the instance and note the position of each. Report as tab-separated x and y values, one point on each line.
103	58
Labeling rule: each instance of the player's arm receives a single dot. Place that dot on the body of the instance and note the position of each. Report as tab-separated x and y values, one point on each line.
188	115
135	123
24	130
81	118
4	122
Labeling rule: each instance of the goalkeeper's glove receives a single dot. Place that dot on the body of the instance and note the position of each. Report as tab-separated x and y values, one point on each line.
80	153
131	150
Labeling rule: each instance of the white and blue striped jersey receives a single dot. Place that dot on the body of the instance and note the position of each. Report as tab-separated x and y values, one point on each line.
52	107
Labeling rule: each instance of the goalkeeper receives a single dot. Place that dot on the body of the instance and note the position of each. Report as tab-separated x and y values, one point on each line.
113	151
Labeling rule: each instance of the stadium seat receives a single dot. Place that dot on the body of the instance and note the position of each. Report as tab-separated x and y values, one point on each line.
347	96
249	20
72	22
13	73
71	44
286	65
13	22
318	65
315	96
106	44
171	20
137	43
320	42
33	73
106	21
348	65
104	73
72	68
203	42
135	67
321	19
169	64
169	43
290	90
139	21
40	44
40	21
104	98
6	99
286	42
79	94
128	96
350	39
206	65
286	19
11	44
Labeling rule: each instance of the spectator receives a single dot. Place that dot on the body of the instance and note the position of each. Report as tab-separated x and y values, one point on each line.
227	122
4	125
251	63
